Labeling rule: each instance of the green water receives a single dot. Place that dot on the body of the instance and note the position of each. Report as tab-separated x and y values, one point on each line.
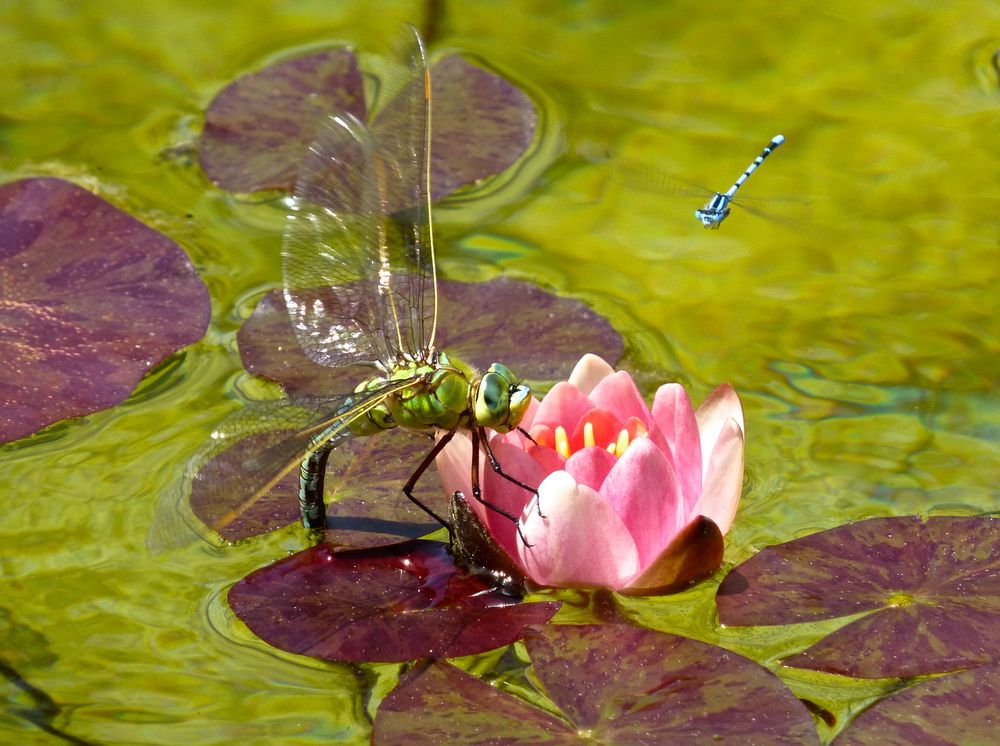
862	336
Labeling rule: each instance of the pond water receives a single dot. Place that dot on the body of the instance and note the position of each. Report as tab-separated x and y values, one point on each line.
860	327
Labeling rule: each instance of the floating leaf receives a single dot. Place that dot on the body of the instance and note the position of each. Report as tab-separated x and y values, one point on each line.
397	603
933	587
611	683
363	483
258	128
90	300
481	124
538	334
957	709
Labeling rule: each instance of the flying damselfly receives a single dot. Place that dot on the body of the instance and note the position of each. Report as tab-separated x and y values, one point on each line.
360	286
647	177
717	208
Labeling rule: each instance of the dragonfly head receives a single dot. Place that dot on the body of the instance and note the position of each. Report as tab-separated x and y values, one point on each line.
500	399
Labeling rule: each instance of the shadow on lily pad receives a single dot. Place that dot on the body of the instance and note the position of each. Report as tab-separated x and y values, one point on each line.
259	126
610	683
932	588
90	300
396	603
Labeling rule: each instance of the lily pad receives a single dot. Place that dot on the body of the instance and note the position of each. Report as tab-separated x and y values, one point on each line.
258	128
537	334
397	603
957	709
932	587
363	482
610	683
481	124
90	300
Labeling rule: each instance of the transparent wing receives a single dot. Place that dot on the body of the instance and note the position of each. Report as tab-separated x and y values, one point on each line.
358	258
251	452
647	178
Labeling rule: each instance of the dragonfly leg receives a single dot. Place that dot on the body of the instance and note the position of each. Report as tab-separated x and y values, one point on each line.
527	435
412	481
311	476
495	465
477	491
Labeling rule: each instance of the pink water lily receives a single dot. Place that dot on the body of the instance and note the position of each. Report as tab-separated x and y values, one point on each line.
630	497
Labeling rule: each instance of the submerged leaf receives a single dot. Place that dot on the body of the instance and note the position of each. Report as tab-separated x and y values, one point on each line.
933	587
90	300
611	683
481	124
397	603
258	128
537	334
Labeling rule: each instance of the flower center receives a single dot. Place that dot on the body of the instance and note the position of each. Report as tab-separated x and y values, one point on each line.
616	447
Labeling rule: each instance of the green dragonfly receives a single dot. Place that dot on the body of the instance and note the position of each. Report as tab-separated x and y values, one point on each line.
360	285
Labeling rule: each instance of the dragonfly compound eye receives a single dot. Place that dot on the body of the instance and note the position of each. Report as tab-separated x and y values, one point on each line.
500	401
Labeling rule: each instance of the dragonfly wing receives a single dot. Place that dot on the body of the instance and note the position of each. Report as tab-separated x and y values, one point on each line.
358	258
330	247
644	177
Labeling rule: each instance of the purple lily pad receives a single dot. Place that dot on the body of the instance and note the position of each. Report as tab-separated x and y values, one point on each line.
537	334
947	711
611	683
481	124
933	587
397	603
90	300
258	128
363	482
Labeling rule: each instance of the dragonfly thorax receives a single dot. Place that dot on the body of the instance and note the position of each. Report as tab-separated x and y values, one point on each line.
446	393
714	212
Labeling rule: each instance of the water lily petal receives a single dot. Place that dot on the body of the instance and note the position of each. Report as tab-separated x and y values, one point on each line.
589	372
695	552
720	494
718	408
580	543
548	458
563	405
618	393
644	491
505	494
676	421
454	465
591	466
604	428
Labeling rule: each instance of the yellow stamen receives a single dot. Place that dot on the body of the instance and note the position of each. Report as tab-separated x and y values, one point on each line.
622	443
562	441
611	447
588	435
